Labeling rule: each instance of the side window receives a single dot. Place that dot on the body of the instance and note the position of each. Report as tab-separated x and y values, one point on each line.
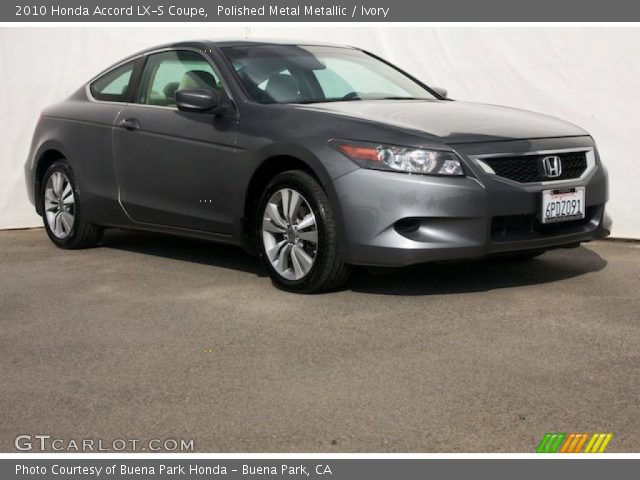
114	85
167	72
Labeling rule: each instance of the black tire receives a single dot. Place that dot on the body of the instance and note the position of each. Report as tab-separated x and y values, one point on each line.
328	272
82	234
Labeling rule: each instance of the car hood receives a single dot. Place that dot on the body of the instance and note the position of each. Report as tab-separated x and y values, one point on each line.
455	122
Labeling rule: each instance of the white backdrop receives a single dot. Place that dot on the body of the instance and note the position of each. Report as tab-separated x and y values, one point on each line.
589	76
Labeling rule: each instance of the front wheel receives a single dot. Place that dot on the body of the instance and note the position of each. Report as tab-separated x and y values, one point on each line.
62	211
297	235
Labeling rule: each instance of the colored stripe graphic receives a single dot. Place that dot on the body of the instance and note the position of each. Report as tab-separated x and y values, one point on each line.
574	443
598	442
550	443
558	442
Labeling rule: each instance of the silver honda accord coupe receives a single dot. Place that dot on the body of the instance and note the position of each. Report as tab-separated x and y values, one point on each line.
316	158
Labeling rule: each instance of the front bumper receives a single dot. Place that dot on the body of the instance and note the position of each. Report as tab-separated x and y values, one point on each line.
396	219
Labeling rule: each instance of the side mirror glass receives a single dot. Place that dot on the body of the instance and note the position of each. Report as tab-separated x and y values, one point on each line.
200	100
440	91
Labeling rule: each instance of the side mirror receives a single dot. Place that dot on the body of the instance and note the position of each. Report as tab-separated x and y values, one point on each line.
440	91
201	100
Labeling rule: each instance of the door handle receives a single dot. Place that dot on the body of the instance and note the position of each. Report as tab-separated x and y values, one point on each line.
129	124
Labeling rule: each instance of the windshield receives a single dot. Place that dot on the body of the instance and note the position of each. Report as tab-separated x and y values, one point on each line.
309	74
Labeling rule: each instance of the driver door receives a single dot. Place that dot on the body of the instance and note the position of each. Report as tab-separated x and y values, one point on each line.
174	167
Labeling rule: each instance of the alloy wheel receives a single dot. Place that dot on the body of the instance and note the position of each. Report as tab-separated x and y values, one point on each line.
59	205
290	234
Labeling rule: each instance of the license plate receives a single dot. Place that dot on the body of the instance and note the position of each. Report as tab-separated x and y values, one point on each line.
562	205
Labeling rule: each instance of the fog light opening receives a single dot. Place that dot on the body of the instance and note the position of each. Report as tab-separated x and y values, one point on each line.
406	226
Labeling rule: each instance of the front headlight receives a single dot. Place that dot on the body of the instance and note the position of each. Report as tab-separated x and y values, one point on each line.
400	159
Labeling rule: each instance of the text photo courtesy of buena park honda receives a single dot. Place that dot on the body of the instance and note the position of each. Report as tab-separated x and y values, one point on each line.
319	239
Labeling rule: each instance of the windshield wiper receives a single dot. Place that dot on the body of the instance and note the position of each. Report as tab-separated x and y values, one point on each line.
333	100
328	100
396	98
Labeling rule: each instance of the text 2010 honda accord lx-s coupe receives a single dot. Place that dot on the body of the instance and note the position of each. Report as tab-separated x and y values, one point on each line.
315	157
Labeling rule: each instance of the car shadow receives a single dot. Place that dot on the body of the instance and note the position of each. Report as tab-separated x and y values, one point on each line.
183	249
479	275
424	279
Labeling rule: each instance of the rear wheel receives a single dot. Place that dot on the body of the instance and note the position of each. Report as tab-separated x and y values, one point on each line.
297	235
62	211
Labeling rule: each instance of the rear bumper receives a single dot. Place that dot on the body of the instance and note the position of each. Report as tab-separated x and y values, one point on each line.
395	219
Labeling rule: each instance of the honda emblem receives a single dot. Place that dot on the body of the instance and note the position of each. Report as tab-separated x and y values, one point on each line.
552	166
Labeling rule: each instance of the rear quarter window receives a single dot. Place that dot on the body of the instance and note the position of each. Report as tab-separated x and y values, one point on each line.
114	85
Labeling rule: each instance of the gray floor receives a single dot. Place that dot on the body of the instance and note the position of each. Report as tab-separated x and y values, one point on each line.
149	337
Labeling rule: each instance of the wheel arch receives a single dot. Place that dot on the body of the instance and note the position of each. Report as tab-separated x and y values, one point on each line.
47	156
269	168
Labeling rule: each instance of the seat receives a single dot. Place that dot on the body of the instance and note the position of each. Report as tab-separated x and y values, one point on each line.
282	88
197	79
158	99
169	91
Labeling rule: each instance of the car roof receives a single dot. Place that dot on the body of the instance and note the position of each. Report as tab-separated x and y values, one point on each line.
260	42
241	43
207	43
